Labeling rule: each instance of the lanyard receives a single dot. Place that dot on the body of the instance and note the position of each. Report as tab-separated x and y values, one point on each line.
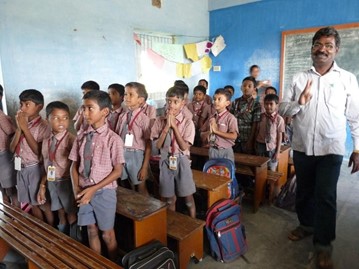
17	150
271	118
221	116
173	139
132	121
52	153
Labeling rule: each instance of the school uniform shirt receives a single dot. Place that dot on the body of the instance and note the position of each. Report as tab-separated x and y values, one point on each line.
226	123
7	129
139	126
63	147
185	128
149	111
247	111
268	128
107	151
39	130
196	109
319	127
113	118
79	113
208	112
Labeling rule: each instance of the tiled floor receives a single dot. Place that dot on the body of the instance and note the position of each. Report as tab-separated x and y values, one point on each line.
267	231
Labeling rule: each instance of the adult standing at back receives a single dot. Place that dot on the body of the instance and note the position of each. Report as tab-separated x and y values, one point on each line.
321	99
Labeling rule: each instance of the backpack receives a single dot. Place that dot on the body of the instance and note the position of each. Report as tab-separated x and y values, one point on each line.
286	197
151	256
225	232
223	167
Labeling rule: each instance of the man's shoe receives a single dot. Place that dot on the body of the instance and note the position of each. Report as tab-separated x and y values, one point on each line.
323	260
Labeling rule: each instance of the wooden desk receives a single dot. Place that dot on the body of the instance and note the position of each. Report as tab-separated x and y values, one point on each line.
255	165
215	186
283	159
140	219
185	237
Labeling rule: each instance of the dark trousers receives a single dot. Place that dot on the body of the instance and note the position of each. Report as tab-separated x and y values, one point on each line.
316	200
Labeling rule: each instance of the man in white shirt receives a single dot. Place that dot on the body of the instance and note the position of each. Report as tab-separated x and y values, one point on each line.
321	100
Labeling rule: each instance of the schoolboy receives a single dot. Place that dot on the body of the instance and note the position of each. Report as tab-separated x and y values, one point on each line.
97	158
198	104
56	179
135	132
269	131
230	89
184	87
78	118
116	92
204	83
7	175
31	130
270	90
247	111
223	129
174	134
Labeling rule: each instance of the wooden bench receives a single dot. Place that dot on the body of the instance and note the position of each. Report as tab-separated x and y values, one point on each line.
272	179
185	237
216	187
42	245
283	160
139	219
291	170
252	165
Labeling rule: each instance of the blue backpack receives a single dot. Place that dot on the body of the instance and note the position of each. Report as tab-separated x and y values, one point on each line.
225	231
226	168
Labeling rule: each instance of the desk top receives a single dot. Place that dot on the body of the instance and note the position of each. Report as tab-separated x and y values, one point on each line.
210	182
136	206
180	226
239	158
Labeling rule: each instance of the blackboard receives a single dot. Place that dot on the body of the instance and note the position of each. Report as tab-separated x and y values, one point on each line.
296	48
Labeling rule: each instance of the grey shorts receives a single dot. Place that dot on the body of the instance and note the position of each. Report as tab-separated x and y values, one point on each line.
178	181
100	210
62	196
28	181
221	153
8	173
261	150
134	161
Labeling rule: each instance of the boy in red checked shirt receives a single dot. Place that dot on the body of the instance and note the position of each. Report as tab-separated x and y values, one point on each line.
173	135
97	159
26	144
135	132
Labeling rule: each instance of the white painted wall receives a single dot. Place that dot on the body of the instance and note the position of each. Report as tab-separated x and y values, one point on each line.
54	46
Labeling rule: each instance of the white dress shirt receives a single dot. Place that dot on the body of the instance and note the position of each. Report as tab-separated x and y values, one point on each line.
319	127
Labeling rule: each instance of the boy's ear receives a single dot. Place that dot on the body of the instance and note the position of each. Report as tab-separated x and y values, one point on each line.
105	111
228	103
40	107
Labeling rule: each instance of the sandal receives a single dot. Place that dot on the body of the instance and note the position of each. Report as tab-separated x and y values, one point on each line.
298	234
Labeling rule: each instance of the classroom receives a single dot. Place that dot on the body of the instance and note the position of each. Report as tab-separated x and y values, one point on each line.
165	110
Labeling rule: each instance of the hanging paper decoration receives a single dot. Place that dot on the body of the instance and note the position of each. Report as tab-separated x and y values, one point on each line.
191	51
203	48
171	52
137	39
218	46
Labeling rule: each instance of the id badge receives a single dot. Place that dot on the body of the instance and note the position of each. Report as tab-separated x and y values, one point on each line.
172	162
128	140
51	175
17	161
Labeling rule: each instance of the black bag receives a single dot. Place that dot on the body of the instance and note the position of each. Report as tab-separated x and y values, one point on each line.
151	256
286	197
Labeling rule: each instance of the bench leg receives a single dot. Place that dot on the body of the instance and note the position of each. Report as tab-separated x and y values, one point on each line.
260	185
4	248
190	247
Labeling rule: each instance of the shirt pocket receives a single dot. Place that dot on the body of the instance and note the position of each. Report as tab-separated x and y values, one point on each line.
335	95
223	127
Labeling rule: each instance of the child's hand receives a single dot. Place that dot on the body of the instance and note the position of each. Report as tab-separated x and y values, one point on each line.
275	157
85	196
21	120
213	125
143	174
171	120
41	197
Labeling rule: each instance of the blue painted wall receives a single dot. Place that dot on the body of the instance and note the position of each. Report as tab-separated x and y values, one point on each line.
253	35
56	45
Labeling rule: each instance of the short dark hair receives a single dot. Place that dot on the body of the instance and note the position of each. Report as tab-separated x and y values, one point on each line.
202	79
224	92
327	31
1	90
175	91
250	78
229	87
270	88
182	85
199	88
252	67
118	88
32	95
102	98
90	85
140	89
271	97
56	105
